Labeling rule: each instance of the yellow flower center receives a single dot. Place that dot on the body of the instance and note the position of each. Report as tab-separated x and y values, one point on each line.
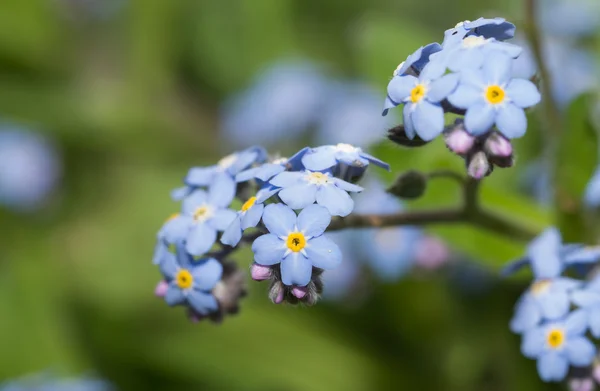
494	94
539	287
555	338
248	204
171	217
317	178
202	213
296	241
417	93
473	41
184	279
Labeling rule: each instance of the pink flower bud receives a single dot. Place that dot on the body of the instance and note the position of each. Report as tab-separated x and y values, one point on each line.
431	253
260	272
585	384
478	166
459	141
498	146
299	291
161	289
279	297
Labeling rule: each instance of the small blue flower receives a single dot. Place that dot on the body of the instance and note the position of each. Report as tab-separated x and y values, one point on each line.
417	61
296	243
497	28
191	281
202	215
557	344
339	158
301	189
423	113
492	97
591	196
266	171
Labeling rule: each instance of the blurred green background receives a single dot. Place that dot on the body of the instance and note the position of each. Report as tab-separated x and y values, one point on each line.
130	91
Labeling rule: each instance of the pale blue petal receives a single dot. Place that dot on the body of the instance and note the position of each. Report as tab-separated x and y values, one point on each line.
533	343
428	119
222	191
279	219
497	68
174	295
200	176
168	266
176	230
594	321
576	323
319	159
286	179
473	78
378	162
180	193
252	216
479	118
192	202
183	258
233	234
565	284
552	366
544	252
347	186
268	171
295	161
336	200
313	220
387	105
265	193
299	196
509	49
527	316
200	239
523	93
161	249
268	249
466	58
431	71
221	219
296	270
409	128
246	175
206	274
554	305
585	298
442	87
466	96
400	87
323	253
511	121
580	351
202	303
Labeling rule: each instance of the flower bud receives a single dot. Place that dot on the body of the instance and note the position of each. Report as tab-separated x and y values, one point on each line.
497	145
161	288
459	140
431	253
260	272
478	165
409	185
299	291
581	384
276	293
398	135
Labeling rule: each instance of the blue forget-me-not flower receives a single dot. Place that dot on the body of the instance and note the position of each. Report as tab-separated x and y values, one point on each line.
339	158
497	28
296	243
268	170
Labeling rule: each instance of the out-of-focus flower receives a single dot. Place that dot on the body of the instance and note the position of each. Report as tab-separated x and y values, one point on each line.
431	253
296	243
339	282
569	18
588	299
592	191
30	168
497	28
557	344
491	96
48	382
268	170
282	103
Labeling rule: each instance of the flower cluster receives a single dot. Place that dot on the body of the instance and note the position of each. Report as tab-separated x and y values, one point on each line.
289	202
470	74
556	312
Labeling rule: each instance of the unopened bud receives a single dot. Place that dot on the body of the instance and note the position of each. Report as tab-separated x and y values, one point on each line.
459	141
277	292
409	185
497	145
478	165
299	291
581	384
398	135
161	288
260	272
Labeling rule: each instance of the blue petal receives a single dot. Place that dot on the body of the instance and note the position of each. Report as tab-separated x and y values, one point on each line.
294	163
168	266
583	255
527	316
409	128
347	186
180	193
511	121
246	175
479	118
424	54
200	176
387	105
552	366
161	249
533	343
336	200
554	305
233	234
222	218
268	171
473	78
323	253
265	193
184	260
466	96
299	196
313	220
196	199
442	87
206	274
497	68
174	295
580	351
252	216
466	58
319	159
592	191
375	161
200	239
286	179
428	120
594	321
400	87
296	270
268	249
576	323
221	191
279	219
176	230
202	303
497	28
585	298
543	252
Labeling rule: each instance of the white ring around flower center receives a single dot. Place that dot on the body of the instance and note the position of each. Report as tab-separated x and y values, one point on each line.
203	213
473	41
317	178
346	148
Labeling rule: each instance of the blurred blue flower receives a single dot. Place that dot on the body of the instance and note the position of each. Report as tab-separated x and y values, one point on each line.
591	196
266	171
351	115
339	158
557	344
339	282
202	215
301	189
569	18
30	168
423	113
282	103
296	242
191	281
416	61
46	382
491	97
497	28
